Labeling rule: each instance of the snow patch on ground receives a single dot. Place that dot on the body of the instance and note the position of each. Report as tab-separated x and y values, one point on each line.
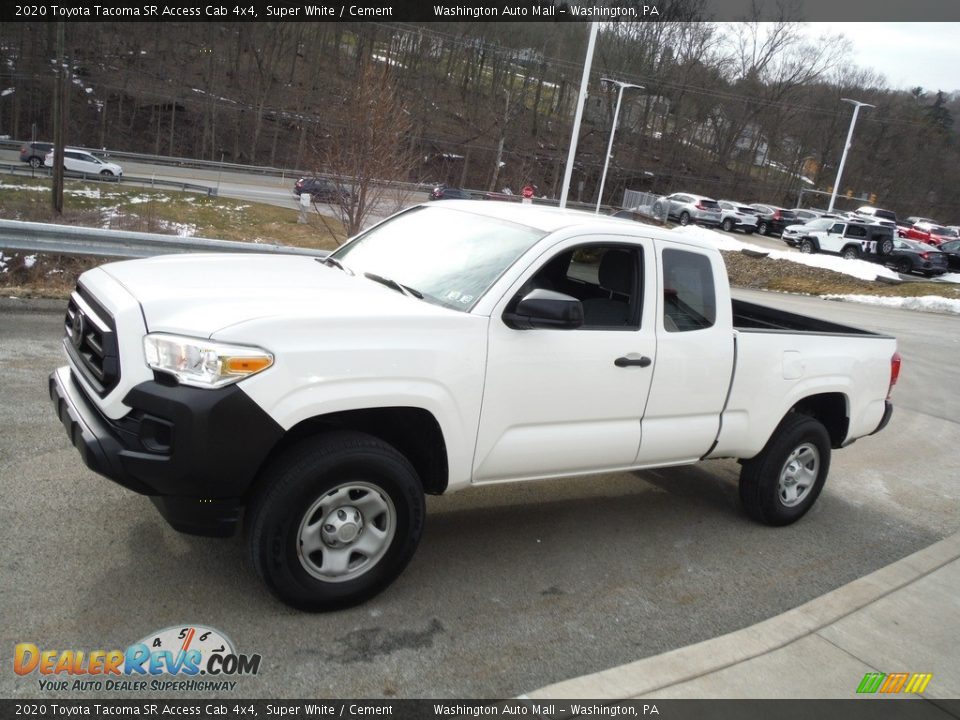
857	268
928	303
29	261
950	277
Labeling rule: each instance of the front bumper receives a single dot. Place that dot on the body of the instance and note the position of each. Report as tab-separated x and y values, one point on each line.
195	452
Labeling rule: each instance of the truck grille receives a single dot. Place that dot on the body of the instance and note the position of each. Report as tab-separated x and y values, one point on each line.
91	341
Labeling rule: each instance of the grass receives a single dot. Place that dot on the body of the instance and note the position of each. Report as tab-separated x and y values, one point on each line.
140	210
94	204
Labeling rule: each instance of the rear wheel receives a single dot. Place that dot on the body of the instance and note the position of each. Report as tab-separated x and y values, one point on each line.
336	520
684	218
35	162
727	225
779	486
850	253
807	247
763	228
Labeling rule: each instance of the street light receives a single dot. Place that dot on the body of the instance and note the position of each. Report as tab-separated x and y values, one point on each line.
613	131
843	158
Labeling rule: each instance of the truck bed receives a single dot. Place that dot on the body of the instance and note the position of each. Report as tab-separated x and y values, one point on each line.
750	317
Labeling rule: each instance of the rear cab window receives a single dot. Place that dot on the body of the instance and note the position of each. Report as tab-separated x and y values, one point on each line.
689	293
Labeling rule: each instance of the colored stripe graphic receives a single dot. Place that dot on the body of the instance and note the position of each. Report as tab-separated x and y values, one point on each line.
914	683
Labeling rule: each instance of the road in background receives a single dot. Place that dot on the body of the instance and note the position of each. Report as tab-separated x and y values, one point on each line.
513	587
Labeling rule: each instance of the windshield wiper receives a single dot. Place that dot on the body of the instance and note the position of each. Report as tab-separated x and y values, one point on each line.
390	283
331	261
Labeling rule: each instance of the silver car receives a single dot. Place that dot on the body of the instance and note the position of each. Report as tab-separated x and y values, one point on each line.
792	234
686	209
737	216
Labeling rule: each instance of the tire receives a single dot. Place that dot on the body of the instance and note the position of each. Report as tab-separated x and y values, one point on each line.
727	225
850	253
779	486
885	247
763	228
807	246
353	498
106	173
684	218
904	266
35	162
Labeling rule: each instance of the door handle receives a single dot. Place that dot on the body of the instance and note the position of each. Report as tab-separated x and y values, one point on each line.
627	361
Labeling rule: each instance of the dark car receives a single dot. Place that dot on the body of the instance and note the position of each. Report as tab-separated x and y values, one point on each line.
442	192
951	250
773	219
321	189
912	256
34	153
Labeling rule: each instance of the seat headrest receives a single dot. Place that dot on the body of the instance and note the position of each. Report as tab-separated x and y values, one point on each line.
616	271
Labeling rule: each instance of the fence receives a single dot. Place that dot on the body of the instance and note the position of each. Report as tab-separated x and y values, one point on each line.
645	203
72	240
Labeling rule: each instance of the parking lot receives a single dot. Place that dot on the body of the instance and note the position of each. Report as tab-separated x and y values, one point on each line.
514	587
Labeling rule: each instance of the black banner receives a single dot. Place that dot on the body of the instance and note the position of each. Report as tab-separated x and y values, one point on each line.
487	11
860	709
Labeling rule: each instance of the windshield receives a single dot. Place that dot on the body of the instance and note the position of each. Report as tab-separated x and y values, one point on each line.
451	257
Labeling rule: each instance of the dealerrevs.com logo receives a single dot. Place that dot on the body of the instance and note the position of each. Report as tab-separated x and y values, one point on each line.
186	657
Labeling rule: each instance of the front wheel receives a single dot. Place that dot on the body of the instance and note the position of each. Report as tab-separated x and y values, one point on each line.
806	247
779	486
337	518
106	173
904	266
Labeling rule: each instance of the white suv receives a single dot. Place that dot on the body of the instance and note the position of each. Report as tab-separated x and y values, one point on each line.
687	208
81	161
850	239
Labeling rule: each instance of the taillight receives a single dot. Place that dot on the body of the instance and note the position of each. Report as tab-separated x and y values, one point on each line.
894	372
699	206
925	255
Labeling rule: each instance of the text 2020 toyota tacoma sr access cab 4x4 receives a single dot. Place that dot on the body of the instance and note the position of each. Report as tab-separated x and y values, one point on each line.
455	344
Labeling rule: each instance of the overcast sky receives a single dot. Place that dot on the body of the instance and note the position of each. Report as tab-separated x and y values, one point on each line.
908	54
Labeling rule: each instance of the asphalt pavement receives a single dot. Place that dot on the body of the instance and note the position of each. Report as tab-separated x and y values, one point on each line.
513	588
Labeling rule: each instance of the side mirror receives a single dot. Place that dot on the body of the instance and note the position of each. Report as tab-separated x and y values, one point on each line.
545	309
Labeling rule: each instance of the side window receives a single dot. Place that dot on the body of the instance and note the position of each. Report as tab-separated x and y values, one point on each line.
689	296
837	228
606	279
856	232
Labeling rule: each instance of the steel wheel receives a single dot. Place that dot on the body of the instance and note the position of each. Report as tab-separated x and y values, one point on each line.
346	532
799	474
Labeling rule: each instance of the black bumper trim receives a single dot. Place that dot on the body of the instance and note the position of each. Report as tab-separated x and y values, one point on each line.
213	444
887	413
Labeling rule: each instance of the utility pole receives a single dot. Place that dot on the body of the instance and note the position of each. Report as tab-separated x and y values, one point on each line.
59	122
613	131
568	173
843	158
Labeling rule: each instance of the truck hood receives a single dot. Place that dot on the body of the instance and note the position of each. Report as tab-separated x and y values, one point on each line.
200	294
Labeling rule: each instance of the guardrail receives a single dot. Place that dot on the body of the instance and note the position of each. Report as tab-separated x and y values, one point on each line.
28	171
74	240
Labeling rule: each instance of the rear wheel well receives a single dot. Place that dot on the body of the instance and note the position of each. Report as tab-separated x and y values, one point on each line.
831	410
414	432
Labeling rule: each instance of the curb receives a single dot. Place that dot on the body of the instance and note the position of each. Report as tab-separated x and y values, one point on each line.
644	677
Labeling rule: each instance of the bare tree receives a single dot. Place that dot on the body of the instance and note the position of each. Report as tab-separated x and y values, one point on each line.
369	150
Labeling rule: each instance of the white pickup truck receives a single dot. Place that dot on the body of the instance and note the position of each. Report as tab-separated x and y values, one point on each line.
457	344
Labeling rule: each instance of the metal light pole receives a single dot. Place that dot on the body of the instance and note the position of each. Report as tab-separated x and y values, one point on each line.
613	131
568	172
843	158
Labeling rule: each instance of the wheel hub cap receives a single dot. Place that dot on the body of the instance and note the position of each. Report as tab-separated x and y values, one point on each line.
342	526
799	474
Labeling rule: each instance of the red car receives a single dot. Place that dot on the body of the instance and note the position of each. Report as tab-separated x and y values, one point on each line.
927	232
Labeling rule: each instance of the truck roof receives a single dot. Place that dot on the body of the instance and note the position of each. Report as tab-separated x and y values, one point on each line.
539	217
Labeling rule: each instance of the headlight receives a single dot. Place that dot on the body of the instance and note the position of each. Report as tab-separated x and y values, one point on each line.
203	363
